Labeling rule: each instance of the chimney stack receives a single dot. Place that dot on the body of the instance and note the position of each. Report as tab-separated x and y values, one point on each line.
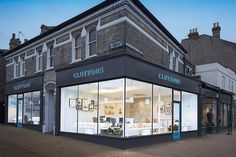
216	30
45	28
193	34
14	42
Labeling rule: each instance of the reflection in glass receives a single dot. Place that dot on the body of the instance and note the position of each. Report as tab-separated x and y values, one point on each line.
27	108
68	109
162	110
111	119
138	109
12	104
176	95
189	111
87	105
209	114
35	107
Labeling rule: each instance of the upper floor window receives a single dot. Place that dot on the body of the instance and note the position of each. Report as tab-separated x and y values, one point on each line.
22	65
232	86
39	61
19	66
223	82
16	67
50	56
91	42
77	50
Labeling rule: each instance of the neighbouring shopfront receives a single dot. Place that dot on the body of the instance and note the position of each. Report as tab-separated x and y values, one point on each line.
24	107
234	111
216	109
119	100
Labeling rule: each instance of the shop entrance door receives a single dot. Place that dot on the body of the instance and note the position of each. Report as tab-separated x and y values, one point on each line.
176	121
19	112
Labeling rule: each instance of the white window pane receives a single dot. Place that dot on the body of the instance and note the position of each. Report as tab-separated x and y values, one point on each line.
162	110
189	111
138	108
92	48
92	35
78	53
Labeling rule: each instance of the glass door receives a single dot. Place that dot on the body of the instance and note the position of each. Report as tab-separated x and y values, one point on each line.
176	121
19	113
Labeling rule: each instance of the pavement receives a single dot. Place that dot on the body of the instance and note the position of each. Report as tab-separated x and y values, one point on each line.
20	142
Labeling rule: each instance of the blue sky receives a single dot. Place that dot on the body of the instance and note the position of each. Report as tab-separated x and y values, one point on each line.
178	16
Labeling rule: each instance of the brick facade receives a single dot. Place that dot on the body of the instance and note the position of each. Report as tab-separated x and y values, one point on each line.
137	33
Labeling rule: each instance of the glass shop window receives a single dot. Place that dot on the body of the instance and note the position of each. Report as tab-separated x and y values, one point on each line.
12	105
138	108
87	106
189	111
111	108
68	109
162	110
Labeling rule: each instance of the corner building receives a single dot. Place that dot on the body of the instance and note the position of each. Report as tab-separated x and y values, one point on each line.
112	75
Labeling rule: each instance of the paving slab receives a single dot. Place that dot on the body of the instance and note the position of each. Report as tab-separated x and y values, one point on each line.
21	142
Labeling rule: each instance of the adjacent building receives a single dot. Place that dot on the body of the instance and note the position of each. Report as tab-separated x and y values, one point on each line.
214	59
2	85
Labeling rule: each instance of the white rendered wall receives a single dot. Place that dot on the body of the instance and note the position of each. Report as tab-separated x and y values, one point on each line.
213	74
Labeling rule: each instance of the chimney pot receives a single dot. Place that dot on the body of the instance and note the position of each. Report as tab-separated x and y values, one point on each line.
216	30
14	42
13	35
193	34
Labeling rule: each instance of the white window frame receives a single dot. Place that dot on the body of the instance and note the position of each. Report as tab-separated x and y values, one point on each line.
49	56
39	67
22	65
223	82
16	67
74	47
87	54
171	65
19	67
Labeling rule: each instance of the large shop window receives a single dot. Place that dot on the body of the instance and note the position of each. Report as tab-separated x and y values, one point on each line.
111	108
80	105
31	108
87	99
189	111
12	105
68	109
138	109
209	112
162	110
35	107
123	108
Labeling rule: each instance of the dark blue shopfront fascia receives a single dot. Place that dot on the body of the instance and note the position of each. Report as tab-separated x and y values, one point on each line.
125	67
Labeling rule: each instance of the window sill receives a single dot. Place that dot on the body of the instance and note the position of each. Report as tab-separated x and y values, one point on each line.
49	68
38	71
18	77
75	61
91	56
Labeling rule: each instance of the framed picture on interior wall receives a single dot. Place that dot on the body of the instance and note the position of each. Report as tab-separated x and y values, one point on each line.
168	110
72	102
91	107
85	104
162	109
168	103
78	104
95	104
